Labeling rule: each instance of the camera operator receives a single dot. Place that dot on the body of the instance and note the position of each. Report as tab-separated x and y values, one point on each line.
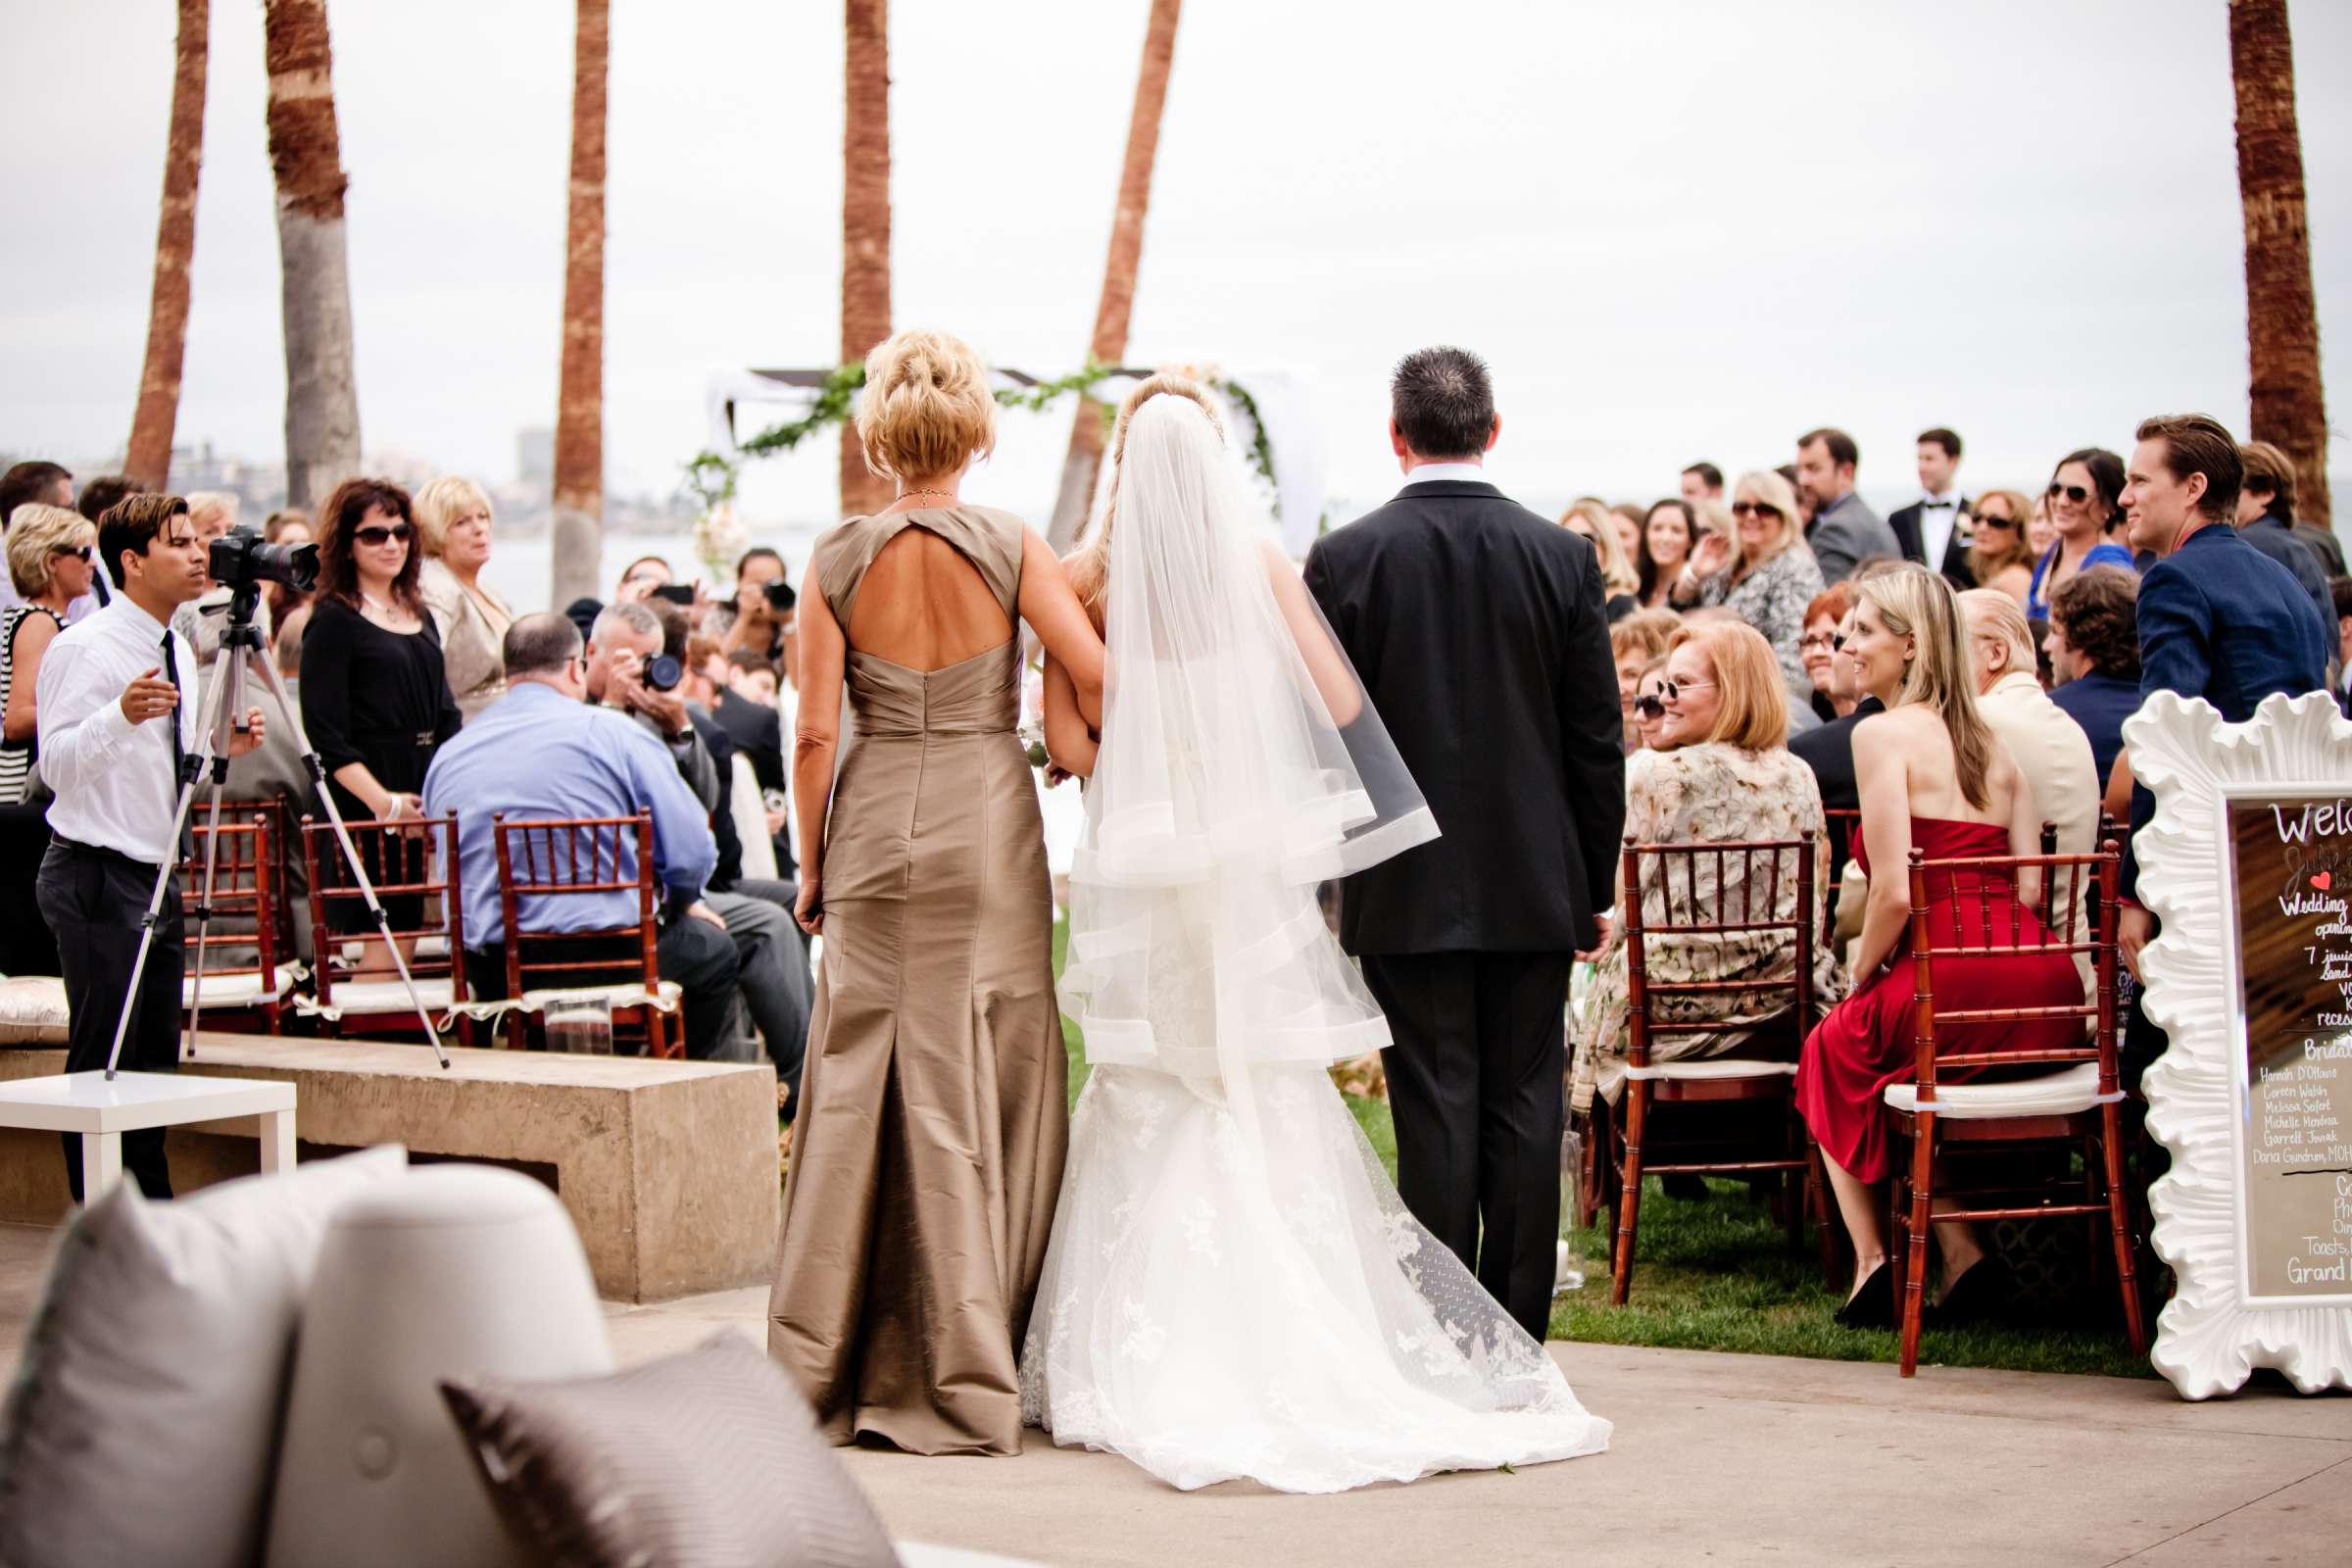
117	775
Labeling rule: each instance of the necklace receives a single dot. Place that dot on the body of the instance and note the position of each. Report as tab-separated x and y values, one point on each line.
944	495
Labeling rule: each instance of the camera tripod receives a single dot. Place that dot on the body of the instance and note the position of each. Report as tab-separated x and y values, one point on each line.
241	649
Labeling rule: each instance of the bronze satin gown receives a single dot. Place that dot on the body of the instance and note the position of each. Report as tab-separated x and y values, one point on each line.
934	1112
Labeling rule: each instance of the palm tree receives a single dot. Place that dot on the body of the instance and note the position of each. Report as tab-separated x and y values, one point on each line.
150	451
306	154
579	487
1112	315
2283	327
864	222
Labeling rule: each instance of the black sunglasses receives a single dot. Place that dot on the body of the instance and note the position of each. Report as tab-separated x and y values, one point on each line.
1754	509
1650	706
82	552
378	535
2073	492
1997	523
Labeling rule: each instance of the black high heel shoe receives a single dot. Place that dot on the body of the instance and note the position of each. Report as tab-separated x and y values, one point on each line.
1979	1295
1873	1305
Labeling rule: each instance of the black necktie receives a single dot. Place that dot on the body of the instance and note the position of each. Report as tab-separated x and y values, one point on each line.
180	751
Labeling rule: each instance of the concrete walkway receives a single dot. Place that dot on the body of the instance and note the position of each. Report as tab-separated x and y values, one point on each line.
1717	1460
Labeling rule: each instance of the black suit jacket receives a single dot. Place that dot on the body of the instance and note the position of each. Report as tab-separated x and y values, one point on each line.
1479	632
758	732
1907	533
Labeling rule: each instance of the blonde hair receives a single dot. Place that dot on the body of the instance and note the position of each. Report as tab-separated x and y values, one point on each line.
1985	564
202	503
1989	613
1774	491
442	502
1089	566
33	532
926	408
1649	632
1714	516
1617	574
1753	714
1918	604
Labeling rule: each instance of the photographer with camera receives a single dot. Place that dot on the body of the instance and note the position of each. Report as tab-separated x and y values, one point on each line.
761	615
117	773
374	697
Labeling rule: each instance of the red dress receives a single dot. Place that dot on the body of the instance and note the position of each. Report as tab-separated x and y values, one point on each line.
1868	1040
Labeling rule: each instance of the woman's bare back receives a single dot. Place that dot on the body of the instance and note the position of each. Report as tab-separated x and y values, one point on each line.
1932	777
925	607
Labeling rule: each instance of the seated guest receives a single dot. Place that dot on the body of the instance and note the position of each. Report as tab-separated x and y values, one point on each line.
1618	580
1829	751
2000	558
2266	515
96	497
1935	777
453	526
2094	658
1634	643
274	768
2085	497
288	525
1766	576
2047	746
1668	535
1823	616
2339	591
1729	777
213	514
49	483
50	566
1649	705
542	752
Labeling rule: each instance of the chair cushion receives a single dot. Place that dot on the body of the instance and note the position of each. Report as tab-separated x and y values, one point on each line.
234	989
143	1423
707	1456
2063	1092
32	1010
1703	1067
366	999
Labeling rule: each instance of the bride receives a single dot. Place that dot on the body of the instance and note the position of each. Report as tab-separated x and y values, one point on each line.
1234	1289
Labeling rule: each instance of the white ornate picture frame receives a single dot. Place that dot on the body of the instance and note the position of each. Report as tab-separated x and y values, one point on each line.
2215	1330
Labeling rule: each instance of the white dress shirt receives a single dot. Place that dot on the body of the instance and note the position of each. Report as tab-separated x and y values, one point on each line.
1458	472
1939	516
113	778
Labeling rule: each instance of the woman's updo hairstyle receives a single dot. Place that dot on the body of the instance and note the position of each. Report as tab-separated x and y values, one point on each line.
926	408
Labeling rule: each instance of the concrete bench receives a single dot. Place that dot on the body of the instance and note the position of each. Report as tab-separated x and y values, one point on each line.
668	1168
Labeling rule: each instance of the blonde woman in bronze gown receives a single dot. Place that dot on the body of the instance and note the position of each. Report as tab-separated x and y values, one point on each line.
935	1118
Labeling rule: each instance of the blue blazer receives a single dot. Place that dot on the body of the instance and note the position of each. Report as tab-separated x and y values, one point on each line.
2220	619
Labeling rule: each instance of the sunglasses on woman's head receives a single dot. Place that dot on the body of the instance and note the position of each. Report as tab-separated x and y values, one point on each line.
1754	509
2073	492
378	535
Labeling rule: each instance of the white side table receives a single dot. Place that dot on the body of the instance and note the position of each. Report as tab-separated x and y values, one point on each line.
85	1102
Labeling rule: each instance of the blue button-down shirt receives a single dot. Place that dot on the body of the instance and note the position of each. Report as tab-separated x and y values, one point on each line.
536	754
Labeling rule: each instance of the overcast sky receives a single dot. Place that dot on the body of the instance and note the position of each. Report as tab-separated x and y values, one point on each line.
1677	229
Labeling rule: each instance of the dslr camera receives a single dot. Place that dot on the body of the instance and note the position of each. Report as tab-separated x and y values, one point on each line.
239	558
662	672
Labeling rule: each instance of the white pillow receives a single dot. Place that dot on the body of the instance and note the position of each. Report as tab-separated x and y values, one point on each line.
143	1423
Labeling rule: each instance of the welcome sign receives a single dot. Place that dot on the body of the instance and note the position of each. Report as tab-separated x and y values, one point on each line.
2248	870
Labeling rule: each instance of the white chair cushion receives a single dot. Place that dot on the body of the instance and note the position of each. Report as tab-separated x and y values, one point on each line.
369	998
1707	1067
32	1010
235	990
2059	1093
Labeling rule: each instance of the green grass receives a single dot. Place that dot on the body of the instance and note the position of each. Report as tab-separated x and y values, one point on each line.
1715	1274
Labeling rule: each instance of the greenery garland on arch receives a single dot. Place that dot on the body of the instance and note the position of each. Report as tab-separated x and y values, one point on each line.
712	477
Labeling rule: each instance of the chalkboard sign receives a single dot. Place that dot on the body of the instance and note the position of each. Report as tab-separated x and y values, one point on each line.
2291	867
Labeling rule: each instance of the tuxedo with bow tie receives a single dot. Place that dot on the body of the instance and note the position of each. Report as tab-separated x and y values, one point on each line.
1928	518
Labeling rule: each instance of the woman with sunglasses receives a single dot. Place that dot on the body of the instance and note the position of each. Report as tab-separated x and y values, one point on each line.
49	560
1668	536
374	695
2085	497
1725	774
1766	577
1999	557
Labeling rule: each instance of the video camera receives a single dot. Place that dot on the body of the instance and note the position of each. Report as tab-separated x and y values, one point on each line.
239	557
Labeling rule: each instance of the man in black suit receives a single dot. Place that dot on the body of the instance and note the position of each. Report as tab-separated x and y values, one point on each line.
1934	529
1478	630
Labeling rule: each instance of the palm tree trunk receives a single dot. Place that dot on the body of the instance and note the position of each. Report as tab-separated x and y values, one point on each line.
149	459
323	400
2283	327
1118	305
864	224
579	488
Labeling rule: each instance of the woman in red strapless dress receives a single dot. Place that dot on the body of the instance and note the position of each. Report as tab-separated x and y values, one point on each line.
1932	777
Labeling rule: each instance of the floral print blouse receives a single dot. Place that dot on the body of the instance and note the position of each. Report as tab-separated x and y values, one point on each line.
1712	793
1773	598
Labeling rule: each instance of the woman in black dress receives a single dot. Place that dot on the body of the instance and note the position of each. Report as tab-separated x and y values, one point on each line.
373	694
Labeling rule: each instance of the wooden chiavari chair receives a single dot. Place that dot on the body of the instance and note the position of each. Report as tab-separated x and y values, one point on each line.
574	858
238	954
360	993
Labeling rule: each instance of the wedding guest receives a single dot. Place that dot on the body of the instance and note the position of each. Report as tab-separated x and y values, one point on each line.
1829	751
1702	481
931	1142
1727	777
96	497
1765	575
1636	643
640	577
1628	519
50	566
765	609
2082	496
453	528
1668	535
1935	777
1999	557
2094	645
1933	531
2040	532
1589	519
753	677
213	514
1840	530
274	769
49	483
2270	480
1824	613
1649	704
2266	515
290	527
2340	591
374	696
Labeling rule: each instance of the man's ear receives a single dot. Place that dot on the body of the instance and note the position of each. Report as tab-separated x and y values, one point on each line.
1396	439
1494	433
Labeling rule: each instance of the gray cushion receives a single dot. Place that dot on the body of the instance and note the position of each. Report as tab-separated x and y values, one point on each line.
143	1424
701	1459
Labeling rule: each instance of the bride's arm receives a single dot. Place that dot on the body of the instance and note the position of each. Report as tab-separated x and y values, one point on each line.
816	734
1052	610
1325	664
1068	741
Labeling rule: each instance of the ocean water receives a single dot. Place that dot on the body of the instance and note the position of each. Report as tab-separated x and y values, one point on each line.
521	565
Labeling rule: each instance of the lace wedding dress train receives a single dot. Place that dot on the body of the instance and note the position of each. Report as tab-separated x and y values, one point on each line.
1234	1289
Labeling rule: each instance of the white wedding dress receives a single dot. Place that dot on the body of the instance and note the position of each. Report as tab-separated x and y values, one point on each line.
1234	1289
